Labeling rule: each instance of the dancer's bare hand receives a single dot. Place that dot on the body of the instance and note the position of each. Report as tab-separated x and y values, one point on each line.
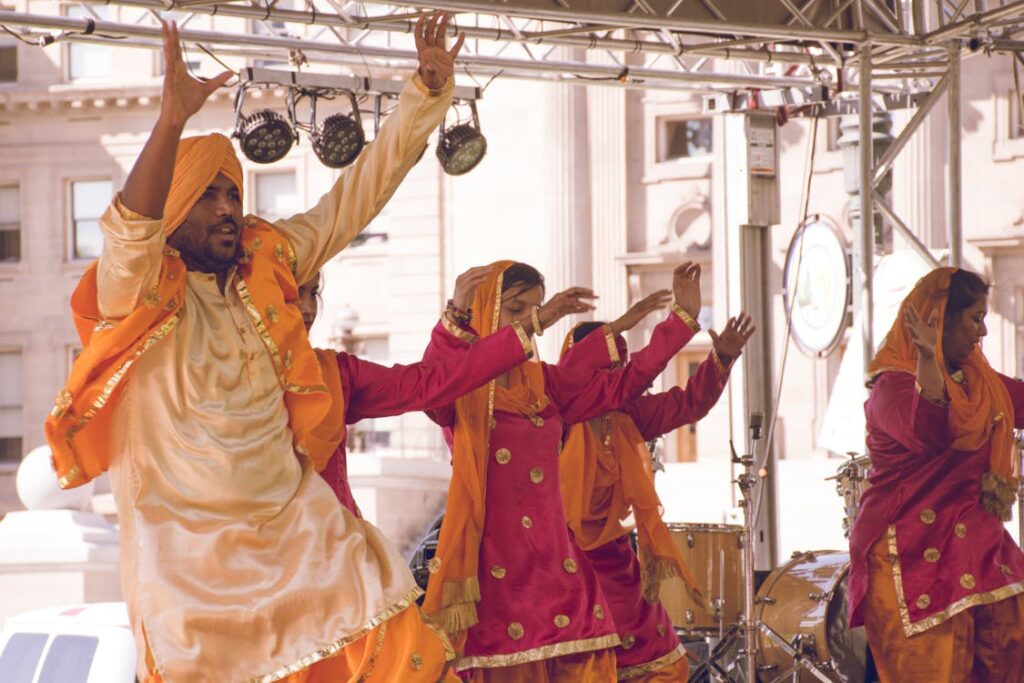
640	310
437	63
572	300
183	94
686	287
467	284
925	336
729	344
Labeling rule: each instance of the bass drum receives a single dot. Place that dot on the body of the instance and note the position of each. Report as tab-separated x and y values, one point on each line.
804	602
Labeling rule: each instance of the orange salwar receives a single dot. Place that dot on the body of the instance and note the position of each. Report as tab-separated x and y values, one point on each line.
676	672
592	667
984	644
404	648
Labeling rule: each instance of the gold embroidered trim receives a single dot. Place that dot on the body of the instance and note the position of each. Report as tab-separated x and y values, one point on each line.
939	401
543	652
998	496
965	603
70	478
61	403
457	331
523	338
106	324
686	317
449	651
111	384
270	344
609	338
653	665
334	648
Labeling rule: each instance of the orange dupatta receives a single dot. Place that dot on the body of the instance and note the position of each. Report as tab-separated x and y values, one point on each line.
325	438
454	588
980	409
79	426
602	482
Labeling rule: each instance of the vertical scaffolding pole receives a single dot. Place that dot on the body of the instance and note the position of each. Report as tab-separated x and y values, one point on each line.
954	200
866	267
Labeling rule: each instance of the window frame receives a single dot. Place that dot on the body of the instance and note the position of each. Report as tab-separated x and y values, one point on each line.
67	48
8	265
253	195
72	251
19	349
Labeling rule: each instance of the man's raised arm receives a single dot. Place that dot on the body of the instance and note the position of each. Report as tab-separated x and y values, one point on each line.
364	188
133	235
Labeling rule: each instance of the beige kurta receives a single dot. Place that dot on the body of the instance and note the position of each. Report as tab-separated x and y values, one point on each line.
238	562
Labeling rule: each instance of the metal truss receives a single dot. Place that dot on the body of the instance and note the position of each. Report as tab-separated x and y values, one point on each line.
817	56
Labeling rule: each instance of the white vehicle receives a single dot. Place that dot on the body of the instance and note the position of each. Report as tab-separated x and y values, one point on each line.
89	643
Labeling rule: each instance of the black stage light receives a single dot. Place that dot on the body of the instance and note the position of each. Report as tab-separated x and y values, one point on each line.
265	136
340	138
461	147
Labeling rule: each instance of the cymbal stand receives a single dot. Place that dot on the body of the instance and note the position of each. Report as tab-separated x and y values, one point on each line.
746	481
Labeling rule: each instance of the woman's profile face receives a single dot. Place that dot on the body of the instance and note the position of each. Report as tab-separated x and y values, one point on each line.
963	336
517	301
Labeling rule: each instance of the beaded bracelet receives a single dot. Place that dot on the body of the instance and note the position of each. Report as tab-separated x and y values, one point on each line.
458	315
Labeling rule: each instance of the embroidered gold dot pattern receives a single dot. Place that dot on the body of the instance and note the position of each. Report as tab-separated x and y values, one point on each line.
923	601
661	629
527	522
928	516
561	620
498	572
536	420
516	630
152	298
1005	570
960	530
416	662
932	554
494	423
536	475
503	456
598	612
434	566
628	642
967	581
570	565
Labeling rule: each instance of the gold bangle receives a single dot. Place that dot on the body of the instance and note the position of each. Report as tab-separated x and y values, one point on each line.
535	317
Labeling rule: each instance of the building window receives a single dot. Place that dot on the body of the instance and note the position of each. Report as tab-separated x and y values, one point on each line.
89	199
680	138
10	406
8	55
88	61
687	365
10	224
275	195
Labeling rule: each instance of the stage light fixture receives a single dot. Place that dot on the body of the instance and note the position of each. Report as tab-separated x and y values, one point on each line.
461	147
264	136
340	138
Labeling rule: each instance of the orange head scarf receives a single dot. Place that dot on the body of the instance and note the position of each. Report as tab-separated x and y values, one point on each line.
454	588
199	160
602	482
980	409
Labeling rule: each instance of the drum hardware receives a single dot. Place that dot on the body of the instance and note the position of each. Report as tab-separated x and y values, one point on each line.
819	597
802	649
765	601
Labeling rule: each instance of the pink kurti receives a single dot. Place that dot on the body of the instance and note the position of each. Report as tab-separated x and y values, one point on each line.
925	497
371	390
649	641
540	598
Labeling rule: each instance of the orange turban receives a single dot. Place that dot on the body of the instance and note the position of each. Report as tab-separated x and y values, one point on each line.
200	159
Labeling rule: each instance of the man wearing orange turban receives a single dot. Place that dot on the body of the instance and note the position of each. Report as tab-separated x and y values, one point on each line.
197	386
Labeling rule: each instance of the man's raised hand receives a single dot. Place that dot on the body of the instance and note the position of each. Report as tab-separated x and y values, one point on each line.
437	64
183	94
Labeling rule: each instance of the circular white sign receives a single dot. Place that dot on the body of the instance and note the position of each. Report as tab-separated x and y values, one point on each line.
817	281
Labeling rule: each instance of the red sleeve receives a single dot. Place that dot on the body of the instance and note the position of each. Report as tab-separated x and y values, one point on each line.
451	371
659	414
1016	389
596	351
581	394
896	412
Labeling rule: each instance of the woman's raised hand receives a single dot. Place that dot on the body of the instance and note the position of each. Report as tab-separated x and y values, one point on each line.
640	310
924	336
467	284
